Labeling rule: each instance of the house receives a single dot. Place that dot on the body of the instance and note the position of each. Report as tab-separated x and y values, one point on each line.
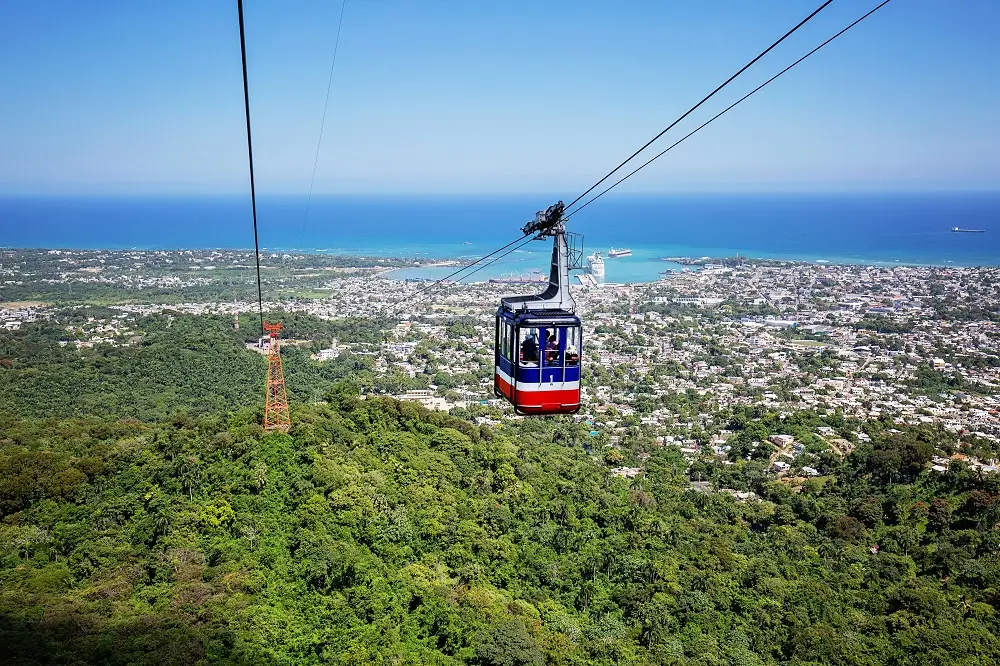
425	398
626	472
741	495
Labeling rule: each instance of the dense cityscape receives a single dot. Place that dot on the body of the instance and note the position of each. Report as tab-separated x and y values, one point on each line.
667	361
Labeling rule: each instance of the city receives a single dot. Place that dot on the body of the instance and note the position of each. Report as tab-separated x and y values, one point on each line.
667	363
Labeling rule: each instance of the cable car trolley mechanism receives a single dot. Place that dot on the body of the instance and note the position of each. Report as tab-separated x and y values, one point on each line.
538	339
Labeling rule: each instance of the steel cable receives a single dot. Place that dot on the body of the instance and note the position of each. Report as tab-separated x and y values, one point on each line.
703	100
322	124
253	190
728	108
527	240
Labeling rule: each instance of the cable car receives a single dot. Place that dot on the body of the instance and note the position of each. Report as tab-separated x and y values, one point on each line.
538	341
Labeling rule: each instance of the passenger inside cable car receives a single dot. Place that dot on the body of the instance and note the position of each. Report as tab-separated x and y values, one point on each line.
559	342
551	348
572	346
537	359
529	349
538	366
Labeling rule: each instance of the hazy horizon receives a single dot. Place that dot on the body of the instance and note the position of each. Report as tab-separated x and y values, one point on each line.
916	191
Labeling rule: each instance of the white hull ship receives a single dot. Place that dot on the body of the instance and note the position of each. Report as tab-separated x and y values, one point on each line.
595	266
624	252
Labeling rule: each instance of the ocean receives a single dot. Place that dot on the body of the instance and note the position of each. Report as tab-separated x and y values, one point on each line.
912	228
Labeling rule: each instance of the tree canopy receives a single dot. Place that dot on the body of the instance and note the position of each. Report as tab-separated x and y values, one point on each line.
378	532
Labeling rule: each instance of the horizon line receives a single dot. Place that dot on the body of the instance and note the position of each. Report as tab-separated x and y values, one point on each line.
514	193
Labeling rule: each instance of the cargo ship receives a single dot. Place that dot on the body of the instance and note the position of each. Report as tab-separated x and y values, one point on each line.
514	277
624	252
960	230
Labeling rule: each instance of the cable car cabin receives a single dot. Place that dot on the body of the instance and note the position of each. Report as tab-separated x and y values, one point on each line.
538	361
538	337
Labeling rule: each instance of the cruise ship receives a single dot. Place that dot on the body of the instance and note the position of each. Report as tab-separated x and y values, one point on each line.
595	266
624	252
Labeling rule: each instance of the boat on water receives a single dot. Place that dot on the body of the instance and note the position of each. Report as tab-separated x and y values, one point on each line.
595	266
960	230
624	252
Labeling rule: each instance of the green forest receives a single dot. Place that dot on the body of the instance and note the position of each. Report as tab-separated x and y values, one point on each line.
146	518
180	363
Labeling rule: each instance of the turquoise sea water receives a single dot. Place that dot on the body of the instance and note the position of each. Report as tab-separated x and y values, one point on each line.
835	228
644	265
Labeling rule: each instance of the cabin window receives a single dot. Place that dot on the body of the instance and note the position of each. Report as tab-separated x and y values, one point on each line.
529	345
498	341
573	349
553	344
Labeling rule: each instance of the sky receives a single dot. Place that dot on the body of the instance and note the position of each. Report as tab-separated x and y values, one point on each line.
435	96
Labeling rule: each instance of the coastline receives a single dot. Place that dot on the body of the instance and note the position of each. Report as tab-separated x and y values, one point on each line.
646	264
837	229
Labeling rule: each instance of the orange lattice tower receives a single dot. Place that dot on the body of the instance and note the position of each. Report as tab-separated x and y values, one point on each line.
276	415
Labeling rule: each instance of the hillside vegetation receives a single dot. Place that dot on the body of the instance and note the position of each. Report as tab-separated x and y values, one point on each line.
198	365
377	532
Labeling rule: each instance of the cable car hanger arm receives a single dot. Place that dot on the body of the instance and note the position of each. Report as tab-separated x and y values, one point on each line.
545	220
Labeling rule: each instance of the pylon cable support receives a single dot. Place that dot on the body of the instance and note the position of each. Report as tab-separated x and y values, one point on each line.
727	109
703	100
322	124
253	190
276	414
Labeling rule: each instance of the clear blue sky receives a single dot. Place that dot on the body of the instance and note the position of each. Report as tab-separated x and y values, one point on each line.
518	96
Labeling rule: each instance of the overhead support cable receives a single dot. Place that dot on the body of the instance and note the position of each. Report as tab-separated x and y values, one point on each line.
407	300
322	124
727	109
527	238
253	190
703	100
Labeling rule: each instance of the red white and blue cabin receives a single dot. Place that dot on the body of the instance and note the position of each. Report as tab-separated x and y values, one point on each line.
538	342
538	377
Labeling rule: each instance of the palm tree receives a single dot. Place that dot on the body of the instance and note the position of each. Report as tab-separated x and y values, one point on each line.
251	534
260	476
190	474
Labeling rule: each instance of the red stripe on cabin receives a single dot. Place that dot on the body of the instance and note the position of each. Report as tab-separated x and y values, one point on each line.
542	402
504	386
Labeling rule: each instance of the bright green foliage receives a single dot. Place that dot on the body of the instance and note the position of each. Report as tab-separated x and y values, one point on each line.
378	532
181	363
